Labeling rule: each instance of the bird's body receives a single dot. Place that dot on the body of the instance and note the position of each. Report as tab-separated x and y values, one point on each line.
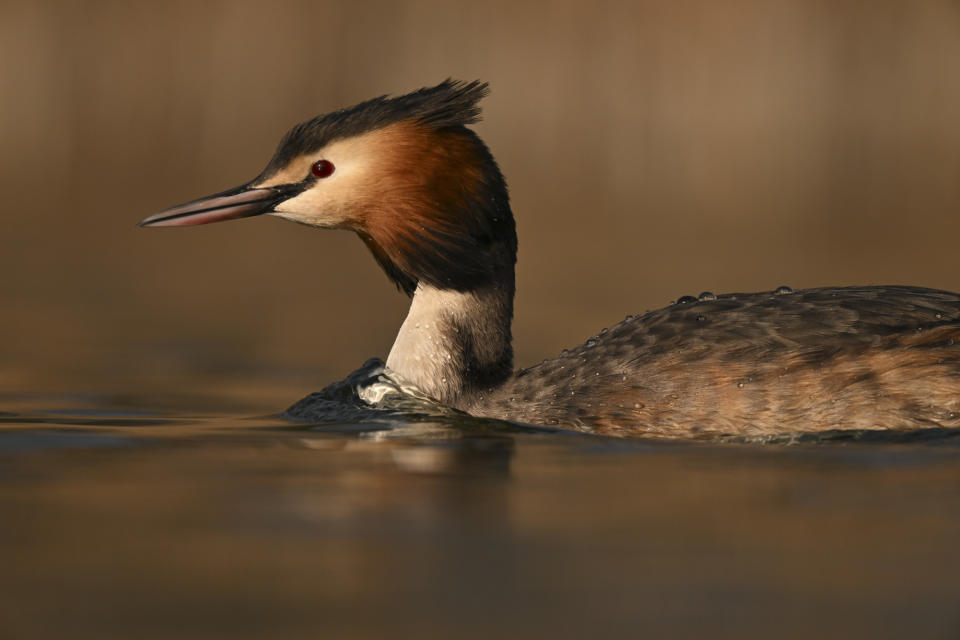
754	365
426	196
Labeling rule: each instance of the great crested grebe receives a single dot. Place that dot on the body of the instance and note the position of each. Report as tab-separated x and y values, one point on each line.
425	195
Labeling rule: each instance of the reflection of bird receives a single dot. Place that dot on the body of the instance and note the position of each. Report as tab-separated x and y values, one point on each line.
425	195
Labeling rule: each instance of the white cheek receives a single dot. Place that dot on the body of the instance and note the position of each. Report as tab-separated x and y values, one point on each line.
327	203
314	206
330	201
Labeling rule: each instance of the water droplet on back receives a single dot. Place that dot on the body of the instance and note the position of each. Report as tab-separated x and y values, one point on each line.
707	295
782	290
686	299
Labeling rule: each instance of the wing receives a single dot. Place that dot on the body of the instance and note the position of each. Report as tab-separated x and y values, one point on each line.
753	364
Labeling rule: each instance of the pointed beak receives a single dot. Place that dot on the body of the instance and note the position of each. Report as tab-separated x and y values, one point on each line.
241	202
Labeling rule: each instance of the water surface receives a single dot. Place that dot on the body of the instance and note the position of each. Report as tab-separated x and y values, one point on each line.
176	517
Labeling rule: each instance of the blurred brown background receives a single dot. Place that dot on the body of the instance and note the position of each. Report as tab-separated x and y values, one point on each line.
653	149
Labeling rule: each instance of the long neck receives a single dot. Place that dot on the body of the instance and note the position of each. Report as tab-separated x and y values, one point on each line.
455	344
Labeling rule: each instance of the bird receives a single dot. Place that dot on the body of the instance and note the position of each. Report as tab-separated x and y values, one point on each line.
424	193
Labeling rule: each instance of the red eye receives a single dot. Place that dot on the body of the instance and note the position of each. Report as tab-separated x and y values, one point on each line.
322	168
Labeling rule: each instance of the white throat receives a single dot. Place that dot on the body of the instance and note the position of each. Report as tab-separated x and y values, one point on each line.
452	340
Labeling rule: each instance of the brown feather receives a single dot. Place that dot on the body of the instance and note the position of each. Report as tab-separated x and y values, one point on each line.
425	218
756	365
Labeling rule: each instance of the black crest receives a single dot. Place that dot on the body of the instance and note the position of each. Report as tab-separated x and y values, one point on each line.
451	103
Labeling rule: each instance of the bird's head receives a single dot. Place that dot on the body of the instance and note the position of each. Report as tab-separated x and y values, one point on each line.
405	173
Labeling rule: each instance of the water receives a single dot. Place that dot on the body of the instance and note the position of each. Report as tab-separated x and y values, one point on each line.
159	517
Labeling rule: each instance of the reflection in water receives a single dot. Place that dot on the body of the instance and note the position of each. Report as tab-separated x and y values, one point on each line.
441	448
934	435
171	526
471	455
